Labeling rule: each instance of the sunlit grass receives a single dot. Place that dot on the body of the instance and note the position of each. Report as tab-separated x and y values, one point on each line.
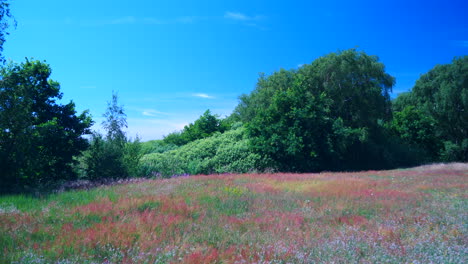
399	216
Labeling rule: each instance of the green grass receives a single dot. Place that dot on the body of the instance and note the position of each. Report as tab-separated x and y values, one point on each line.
28	203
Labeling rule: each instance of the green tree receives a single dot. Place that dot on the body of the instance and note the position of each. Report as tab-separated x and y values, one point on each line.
418	130
356	83
115	121
103	159
38	136
442	95
294	130
326	115
112	156
205	126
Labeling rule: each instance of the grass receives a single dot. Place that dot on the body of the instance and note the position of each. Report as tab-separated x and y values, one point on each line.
399	216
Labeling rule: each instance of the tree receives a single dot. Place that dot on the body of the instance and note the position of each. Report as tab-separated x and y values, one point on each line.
442	95
294	130
115	121
325	115
205	126
112	156
356	83
38	136
418	130
5	17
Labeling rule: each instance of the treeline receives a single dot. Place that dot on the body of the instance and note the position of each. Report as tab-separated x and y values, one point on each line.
333	114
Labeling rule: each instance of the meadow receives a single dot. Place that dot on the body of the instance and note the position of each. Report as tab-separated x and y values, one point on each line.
417	215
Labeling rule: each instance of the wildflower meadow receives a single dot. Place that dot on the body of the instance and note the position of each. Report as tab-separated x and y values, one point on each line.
417	215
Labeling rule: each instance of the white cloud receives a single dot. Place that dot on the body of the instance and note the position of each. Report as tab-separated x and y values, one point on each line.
241	17
251	21
236	16
203	95
152	112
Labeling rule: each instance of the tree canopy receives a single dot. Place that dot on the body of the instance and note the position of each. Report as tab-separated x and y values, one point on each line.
320	115
38	136
205	126
442	96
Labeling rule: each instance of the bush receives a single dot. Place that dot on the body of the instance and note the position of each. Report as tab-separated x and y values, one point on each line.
455	152
220	153
106	159
156	146
205	126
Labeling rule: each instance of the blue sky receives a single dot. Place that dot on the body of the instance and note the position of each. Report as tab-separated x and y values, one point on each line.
169	61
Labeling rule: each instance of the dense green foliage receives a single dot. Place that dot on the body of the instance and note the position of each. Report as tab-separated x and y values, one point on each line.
220	153
333	114
440	98
205	126
156	146
415	128
38	136
113	156
326	115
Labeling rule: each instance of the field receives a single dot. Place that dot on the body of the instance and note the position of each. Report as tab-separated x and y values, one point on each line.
417	215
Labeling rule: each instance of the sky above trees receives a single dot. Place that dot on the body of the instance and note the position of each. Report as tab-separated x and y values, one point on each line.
169	61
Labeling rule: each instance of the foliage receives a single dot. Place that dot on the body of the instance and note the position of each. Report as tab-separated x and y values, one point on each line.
400	216
452	151
326	115
115	121
356	83
205	126
441	95
104	159
220	153
132	155
5	17
112	156
417	129
401	101
156	146
38	136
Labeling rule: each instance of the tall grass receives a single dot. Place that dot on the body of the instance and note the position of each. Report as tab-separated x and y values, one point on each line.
399	216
